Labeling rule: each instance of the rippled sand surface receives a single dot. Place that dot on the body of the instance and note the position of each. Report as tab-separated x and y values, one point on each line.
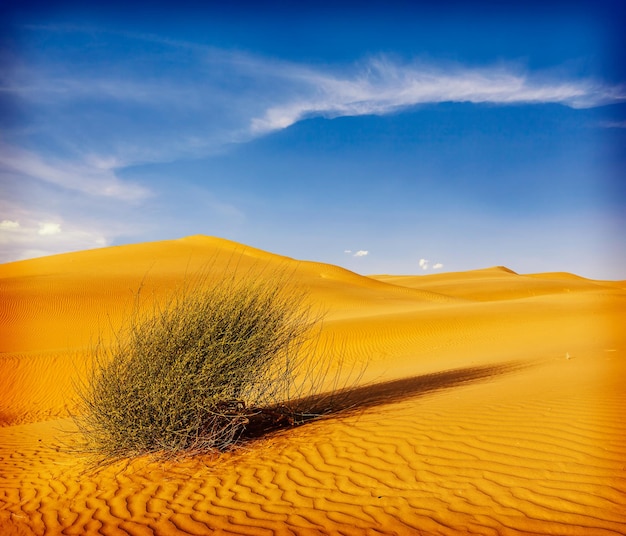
489	403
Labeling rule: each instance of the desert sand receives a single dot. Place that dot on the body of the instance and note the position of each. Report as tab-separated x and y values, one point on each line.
489	403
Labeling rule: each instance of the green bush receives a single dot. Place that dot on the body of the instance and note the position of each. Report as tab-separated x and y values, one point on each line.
190	376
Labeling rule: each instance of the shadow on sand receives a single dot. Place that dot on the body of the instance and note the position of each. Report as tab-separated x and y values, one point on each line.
356	399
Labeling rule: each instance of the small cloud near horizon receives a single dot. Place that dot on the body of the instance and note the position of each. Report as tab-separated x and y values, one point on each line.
36	237
359	253
424	264
46	229
9	224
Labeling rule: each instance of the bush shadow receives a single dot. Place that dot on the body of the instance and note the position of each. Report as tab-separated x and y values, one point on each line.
351	400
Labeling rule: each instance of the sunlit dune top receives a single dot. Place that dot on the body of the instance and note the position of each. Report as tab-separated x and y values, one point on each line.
193	254
196	250
155	262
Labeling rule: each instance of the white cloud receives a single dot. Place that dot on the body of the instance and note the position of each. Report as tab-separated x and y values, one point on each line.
7	225
360	253
46	229
425	264
35	239
28	232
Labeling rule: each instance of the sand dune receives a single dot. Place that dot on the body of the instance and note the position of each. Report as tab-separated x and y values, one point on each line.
492	403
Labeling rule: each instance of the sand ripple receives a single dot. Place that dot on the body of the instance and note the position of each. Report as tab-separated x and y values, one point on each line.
456	459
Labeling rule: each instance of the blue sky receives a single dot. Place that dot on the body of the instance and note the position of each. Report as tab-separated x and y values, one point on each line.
385	138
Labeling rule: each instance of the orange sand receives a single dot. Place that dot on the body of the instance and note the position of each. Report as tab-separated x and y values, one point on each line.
493	403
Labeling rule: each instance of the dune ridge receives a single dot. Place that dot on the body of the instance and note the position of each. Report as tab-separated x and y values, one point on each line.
492	403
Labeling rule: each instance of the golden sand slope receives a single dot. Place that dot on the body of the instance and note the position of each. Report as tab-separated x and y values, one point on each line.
492	403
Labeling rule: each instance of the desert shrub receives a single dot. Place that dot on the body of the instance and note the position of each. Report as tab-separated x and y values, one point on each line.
190	375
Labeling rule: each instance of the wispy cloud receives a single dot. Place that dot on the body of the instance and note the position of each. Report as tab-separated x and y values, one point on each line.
92	176
613	124
213	97
383	86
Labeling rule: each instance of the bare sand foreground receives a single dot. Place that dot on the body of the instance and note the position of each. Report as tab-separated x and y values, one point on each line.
492	403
